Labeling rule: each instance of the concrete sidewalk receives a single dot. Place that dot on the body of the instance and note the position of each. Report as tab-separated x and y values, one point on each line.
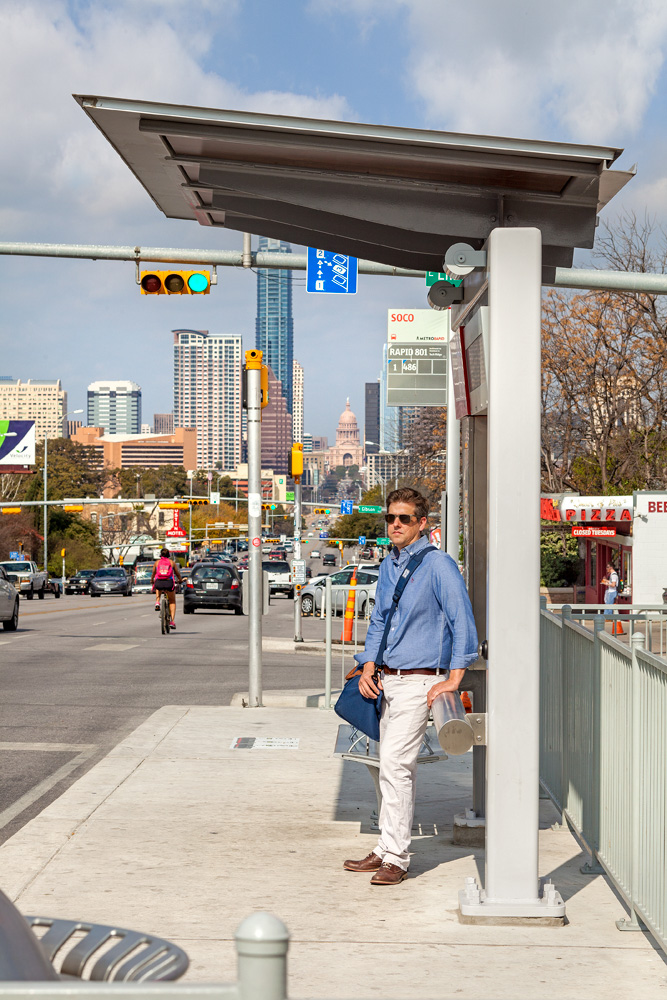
179	834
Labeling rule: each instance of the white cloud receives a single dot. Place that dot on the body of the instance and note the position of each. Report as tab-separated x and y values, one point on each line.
583	69
54	164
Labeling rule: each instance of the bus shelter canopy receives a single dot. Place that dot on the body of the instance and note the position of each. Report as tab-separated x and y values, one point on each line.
398	196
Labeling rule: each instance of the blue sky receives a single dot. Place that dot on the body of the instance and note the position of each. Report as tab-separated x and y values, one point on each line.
581	71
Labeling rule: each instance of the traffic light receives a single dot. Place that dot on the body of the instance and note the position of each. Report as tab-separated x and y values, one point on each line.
197	501
11	510
296	461
73	508
269	506
175	282
321	510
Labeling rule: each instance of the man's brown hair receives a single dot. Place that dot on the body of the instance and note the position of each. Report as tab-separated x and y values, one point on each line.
407	495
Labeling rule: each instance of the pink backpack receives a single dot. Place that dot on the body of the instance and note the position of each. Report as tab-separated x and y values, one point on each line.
164	569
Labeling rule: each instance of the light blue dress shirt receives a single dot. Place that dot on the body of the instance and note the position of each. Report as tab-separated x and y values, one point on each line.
433	625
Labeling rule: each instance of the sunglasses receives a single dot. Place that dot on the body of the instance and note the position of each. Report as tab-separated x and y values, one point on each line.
403	518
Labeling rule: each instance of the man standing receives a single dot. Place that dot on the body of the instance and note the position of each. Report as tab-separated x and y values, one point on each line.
611	583
431	641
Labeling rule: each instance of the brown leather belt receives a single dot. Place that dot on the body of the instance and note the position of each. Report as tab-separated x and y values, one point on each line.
417	670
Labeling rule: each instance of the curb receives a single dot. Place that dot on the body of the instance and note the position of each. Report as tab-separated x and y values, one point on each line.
285	699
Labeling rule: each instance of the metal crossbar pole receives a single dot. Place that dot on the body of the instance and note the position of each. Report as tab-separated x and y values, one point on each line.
327	643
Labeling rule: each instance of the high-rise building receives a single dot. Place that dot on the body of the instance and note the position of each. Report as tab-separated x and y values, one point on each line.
207	394
115	406
274	327
43	401
297	402
320	443
386	469
307	442
163	423
276	429
372	418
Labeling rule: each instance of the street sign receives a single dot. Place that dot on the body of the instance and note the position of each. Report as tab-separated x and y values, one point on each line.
324	534
433	276
362	539
289	496
329	272
383	541
298	571
215	497
346	506
15	556
366	508
416	374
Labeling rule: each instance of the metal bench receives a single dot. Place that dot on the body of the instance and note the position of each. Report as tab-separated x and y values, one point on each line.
133	957
354	745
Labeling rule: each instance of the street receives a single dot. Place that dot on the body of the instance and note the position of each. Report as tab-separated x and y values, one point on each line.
81	673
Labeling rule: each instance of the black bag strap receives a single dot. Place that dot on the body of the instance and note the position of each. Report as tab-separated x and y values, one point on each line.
412	565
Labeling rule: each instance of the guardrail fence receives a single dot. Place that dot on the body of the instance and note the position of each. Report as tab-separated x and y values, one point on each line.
603	756
334	601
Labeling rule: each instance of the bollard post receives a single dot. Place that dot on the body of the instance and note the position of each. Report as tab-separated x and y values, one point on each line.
261	948
327	643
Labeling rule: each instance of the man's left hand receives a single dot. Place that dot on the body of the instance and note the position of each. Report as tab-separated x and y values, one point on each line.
451	684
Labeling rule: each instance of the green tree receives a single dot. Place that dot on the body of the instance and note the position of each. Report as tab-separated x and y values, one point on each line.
79	539
370	525
560	563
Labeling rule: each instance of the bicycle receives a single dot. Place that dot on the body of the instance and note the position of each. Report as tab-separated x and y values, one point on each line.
165	617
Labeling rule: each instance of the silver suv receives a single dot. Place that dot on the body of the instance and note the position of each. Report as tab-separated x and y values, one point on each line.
312	595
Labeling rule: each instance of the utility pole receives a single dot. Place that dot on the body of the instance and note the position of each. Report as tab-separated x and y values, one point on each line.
253	368
296	472
46	509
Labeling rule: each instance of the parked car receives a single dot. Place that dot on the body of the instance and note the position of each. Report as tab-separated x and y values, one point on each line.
141	584
111	580
312	594
213	584
9	603
329	559
26	577
80	582
280	577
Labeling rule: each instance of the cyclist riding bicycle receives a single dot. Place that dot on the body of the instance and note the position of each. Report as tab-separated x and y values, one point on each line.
164	576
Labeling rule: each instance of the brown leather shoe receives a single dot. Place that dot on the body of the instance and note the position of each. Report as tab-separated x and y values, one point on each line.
370	863
388	874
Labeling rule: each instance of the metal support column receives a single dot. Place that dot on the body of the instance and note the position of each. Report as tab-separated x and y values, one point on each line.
452	473
46	509
297	555
512	888
254	575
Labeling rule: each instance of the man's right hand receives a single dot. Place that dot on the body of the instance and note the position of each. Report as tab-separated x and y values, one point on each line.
367	686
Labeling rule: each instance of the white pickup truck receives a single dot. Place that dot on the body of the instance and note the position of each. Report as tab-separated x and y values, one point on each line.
27	578
280	576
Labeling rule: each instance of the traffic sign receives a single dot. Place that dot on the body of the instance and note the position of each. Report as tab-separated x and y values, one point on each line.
298	571
215	497
15	556
362	539
346	506
383	541
329	272
369	508
433	276
289	496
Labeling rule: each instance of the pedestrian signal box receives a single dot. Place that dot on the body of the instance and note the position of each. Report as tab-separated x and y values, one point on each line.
175	282
296	461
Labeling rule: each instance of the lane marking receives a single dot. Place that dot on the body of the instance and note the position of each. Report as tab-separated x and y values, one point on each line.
110	647
45	747
37	791
100	623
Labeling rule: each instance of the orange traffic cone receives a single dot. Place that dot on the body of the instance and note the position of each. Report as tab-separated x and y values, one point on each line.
617	628
465	699
349	609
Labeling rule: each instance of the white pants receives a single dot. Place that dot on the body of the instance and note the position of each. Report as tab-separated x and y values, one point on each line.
402	728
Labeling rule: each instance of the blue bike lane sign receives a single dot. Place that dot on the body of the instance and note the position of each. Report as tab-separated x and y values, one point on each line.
329	272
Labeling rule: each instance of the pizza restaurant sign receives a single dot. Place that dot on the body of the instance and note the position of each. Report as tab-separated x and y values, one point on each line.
588	510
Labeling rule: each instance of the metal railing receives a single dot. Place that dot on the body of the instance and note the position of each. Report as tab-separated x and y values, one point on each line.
603	756
334	603
649	615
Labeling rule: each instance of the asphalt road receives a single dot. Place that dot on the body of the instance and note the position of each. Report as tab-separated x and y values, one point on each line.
82	673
